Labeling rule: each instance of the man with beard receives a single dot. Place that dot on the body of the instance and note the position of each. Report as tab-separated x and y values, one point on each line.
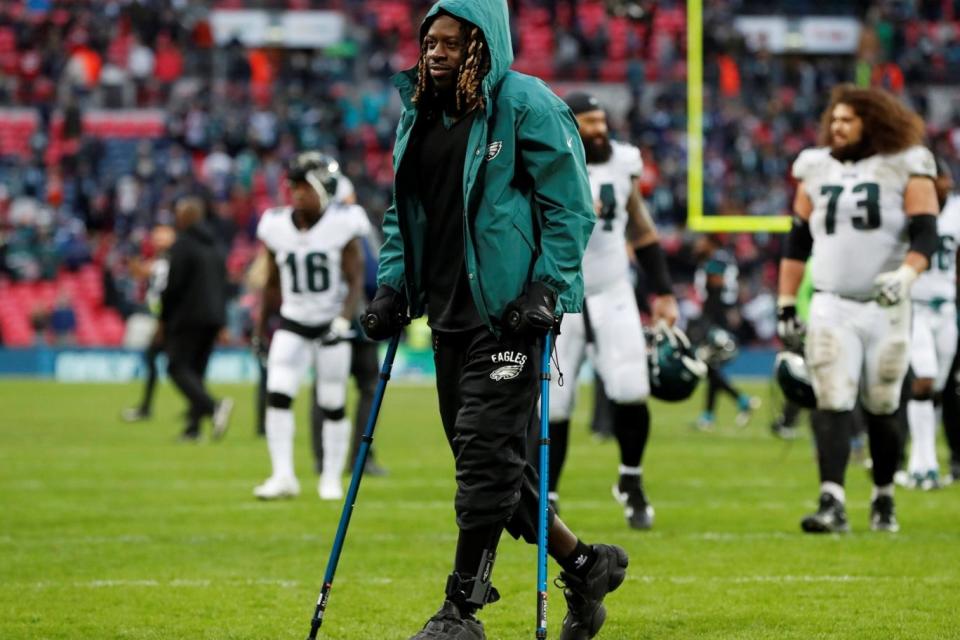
866	209
610	322
486	234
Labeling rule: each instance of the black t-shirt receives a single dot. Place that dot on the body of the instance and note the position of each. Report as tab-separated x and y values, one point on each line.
440	151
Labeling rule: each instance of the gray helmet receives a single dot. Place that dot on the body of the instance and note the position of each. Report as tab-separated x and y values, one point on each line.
675	371
720	347
319	171
794	379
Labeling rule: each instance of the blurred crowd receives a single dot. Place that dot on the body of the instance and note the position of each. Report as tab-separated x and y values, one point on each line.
76	187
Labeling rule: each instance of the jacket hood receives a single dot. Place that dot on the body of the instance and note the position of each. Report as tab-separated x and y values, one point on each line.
202	232
493	19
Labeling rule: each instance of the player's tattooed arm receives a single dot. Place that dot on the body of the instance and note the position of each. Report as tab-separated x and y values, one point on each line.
271	298
641	231
643	239
352	265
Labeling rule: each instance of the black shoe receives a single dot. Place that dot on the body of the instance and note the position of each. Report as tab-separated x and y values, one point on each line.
636	508
189	436
882	515
782	430
134	414
831	517
374	470
585	610
450	624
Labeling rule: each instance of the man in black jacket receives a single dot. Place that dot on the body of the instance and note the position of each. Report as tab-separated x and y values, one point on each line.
193	312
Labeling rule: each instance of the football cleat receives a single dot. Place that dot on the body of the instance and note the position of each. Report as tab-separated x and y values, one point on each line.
636	509
830	517
329	487
585	610
745	408
705	421
882	515
274	488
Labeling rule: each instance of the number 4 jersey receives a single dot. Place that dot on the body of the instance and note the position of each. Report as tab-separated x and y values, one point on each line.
605	262
858	224
311	280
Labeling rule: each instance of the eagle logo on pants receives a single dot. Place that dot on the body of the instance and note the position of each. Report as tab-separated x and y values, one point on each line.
506	372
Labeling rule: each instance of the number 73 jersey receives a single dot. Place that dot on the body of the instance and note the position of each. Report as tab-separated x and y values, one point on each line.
310	260
858	224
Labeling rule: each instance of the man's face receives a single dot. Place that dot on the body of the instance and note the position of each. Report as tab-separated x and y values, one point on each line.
595	136
303	196
846	127
445	51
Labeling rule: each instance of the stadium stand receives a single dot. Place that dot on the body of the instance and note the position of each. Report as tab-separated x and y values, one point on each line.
144	106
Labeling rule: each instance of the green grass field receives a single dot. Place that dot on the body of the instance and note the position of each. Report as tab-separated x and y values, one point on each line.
110	530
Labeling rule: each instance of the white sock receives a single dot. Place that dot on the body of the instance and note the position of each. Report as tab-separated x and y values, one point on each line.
835	490
336	444
631	471
922	417
280	427
885	490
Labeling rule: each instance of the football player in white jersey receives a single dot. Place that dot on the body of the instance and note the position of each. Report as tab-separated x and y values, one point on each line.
610	323
316	280
934	340
866	209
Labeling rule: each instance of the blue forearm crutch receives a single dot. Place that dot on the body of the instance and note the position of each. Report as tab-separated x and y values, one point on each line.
544	487
351	497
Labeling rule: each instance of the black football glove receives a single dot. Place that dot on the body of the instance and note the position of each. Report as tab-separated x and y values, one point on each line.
531	313
789	326
386	314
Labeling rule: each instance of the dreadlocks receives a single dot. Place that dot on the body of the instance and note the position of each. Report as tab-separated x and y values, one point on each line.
470	75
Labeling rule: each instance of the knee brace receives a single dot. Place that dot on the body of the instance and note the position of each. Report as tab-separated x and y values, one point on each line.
334	414
470	594
279	400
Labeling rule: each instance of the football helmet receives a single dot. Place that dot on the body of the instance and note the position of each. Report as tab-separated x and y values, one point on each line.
319	171
675	369
794	379
719	347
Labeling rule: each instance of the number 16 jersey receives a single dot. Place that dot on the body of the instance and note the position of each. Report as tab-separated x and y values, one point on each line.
310	260
858	224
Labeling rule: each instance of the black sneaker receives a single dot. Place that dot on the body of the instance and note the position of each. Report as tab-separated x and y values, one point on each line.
831	517
882	515
636	509
585	610
450	624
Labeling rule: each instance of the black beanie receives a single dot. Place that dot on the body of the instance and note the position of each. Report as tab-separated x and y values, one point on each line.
580	102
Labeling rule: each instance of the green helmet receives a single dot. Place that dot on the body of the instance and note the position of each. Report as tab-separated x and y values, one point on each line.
794	379
675	370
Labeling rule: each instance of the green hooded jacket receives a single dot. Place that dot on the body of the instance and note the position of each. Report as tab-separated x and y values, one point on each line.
528	209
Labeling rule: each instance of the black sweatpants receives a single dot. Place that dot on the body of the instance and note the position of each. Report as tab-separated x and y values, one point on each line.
487	391
150	357
189	351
